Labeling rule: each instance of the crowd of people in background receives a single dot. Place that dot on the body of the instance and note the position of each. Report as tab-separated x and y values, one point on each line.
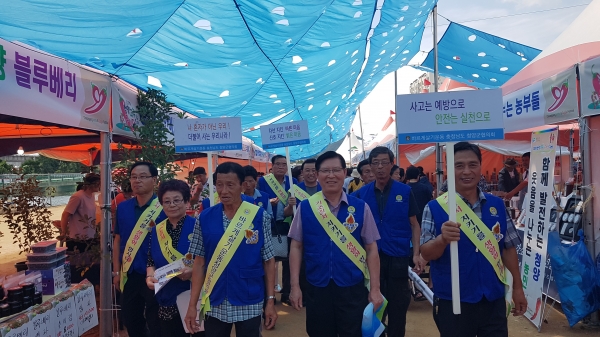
230	248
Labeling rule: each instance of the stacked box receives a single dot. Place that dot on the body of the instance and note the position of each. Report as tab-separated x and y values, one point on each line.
55	281
50	262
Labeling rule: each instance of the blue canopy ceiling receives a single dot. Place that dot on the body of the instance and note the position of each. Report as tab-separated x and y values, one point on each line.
479	59
265	61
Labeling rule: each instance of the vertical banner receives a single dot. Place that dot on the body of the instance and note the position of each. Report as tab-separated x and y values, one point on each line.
537	223
590	87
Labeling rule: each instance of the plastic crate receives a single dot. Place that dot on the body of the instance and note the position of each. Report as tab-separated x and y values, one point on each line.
47	265
47	257
44	246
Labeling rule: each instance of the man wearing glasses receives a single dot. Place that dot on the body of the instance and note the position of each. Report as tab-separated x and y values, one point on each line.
337	235
277	185
135	218
395	211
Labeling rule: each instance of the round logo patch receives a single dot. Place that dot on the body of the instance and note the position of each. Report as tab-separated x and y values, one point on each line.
398	198
260	204
190	236
493	211
351	209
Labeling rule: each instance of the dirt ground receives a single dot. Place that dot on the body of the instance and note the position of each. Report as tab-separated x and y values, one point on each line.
291	323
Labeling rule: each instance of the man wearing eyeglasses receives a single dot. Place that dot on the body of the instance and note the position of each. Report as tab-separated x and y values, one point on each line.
277	185
134	219
395	211
336	234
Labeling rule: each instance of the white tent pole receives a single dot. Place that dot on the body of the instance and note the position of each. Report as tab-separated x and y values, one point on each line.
105	239
396	116
438	146
211	193
362	135
289	166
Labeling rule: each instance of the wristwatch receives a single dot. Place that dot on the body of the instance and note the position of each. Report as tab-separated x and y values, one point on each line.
271	297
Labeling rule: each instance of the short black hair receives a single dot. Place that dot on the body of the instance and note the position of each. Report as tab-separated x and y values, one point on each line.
394	168
330	155
412	173
526	154
401	172
308	161
381	150
231	167
174	185
420	168
466	146
199	170
250	171
361	164
275	157
153	170
296	172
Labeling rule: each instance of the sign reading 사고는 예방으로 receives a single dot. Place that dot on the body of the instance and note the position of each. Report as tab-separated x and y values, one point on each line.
449	116
207	134
284	134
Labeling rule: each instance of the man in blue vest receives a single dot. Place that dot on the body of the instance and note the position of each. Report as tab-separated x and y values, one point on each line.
261	198
281	211
395	211
310	184
139	309
336	287
483	307
233	262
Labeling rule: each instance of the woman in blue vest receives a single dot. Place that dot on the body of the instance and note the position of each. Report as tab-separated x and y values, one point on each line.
483	307
173	195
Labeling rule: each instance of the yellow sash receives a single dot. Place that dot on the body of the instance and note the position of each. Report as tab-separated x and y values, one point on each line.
227	246
340	235
484	240
141	229
300	194
166	243
277	188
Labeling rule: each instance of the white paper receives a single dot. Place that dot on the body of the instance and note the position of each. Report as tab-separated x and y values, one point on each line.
183	301
164	274
87	313
65	319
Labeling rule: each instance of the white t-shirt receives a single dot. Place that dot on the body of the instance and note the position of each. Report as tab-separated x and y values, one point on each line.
80	205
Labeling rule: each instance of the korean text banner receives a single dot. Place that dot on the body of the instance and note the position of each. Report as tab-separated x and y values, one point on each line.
284	134
590	87
546	102
207	134
449	116
538	208
42	87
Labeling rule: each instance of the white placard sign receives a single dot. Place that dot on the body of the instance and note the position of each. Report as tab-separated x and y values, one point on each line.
87	313
41	318
539	207
207	134
449	116
65	318
22	327
284	134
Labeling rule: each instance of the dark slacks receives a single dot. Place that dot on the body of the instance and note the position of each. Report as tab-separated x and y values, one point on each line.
394	287
481	319
216	328
139	309
174	328
335	311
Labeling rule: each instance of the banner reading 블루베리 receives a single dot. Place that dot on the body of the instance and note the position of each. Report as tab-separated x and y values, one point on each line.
539	207
43	87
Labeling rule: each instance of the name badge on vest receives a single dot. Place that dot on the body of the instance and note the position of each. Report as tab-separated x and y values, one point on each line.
398	198
188	260
251	237
350	222
496	232
493	211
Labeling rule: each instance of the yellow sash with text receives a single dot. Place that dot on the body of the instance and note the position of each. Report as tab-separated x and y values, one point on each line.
141	229
227	246
484	240
166	243
340	235
277	188
300	194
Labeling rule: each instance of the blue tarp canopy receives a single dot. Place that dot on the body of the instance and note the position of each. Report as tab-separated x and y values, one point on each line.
479	59
265	61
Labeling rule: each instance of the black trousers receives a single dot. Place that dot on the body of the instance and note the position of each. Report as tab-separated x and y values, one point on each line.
139	309
481	319
174	328
217	328
335	311
394	286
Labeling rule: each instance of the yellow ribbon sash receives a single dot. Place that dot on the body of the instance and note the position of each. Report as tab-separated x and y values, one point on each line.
300	194
227	246
141	229
166	243
484	240
277	188
340	235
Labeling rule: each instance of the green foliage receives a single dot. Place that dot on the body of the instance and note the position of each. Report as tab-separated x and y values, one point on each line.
48	165
5	167
25	212
156	140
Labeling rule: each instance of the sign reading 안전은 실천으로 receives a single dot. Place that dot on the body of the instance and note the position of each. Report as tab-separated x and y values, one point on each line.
450	116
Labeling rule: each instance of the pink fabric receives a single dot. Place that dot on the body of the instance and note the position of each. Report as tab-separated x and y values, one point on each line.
79	206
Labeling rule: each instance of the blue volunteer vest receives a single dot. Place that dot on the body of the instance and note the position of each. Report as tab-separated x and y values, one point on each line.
477	277
126	219
242	281
264	186
206	201
394	225
324	260
302	185
168	294
263	200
